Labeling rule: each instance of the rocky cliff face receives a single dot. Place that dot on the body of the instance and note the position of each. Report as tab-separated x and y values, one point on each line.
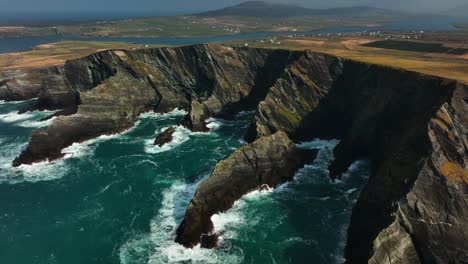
17	85
411	126
434	211
110	89
308	80
413	129
267	161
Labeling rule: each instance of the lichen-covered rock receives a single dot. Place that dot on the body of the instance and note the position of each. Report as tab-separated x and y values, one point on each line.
394	245
17	85
296	94
267	161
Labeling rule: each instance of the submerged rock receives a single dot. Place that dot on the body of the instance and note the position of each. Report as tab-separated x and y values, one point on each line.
267	161
164	137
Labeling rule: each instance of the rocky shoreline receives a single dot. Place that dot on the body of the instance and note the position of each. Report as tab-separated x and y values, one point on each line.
411	126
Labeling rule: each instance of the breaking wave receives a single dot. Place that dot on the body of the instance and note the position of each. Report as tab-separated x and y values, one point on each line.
28	119
181	135
159	246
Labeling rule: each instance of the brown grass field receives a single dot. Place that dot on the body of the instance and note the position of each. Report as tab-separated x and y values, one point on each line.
55	54
438	64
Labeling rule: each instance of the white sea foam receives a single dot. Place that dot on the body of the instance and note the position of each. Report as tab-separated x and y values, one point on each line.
13	117
234	217
84	148
225	222
350	191
173	113
45	170
213	123
160	241
41	171
77	149
15	102
9	150
36	124
28	119
181	135
162	235
319	144
80	149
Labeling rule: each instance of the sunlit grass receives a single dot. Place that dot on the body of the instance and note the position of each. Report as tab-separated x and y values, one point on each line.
443	65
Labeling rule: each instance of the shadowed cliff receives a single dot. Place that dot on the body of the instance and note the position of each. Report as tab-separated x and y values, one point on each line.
413	129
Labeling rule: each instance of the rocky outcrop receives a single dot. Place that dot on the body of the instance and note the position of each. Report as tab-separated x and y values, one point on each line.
267	161
111	107
165	137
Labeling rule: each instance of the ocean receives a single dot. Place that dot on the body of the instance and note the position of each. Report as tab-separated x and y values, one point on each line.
119	199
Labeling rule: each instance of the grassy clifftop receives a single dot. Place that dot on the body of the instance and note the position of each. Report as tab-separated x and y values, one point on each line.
451	66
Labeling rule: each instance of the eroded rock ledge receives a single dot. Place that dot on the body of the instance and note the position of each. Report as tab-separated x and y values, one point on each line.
267	161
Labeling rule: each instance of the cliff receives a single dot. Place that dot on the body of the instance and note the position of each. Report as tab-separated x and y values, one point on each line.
110	89
411	126
413	129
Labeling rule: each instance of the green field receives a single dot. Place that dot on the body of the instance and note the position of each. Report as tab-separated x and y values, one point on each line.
416	46
194	26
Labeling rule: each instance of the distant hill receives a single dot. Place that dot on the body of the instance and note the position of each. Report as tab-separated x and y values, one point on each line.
264	9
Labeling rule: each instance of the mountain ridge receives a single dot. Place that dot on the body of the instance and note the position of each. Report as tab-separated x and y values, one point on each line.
265	9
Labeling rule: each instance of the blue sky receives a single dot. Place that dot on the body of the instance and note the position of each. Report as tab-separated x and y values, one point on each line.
184	6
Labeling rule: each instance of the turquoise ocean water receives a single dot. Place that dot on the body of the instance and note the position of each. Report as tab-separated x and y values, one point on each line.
118	199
